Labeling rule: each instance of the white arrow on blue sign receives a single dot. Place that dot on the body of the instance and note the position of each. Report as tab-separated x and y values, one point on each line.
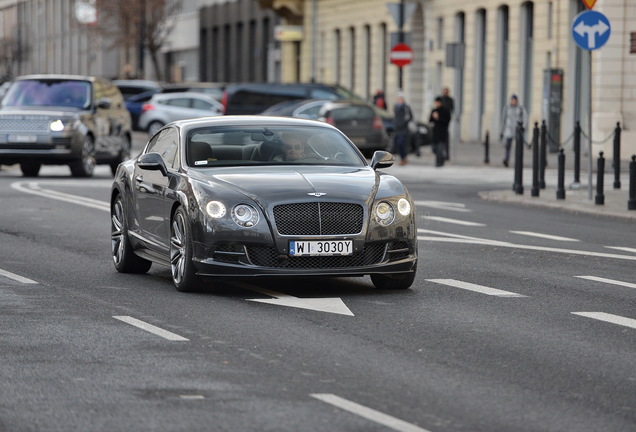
591	30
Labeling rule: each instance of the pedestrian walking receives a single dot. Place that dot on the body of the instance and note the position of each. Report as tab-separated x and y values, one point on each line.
440	118
512	114
449	103
403	116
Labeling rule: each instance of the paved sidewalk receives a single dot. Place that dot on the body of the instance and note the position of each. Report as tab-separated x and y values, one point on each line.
467	166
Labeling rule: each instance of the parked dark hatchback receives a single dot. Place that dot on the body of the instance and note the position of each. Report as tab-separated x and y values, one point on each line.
79	121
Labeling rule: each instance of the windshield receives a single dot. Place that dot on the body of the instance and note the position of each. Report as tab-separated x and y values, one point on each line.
276	145
48	92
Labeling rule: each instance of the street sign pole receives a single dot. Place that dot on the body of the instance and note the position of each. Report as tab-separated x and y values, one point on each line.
589	135
401	40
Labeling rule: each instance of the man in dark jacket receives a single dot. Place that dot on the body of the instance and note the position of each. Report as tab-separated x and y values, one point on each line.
440	117
403	116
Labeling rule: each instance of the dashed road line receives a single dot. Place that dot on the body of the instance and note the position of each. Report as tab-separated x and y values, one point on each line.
453	221
368	413
476	288
544	236
444	205
608	281
16	277
624	249
150	328
613	319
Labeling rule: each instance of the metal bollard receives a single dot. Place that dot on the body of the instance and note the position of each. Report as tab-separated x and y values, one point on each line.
535	161
543	155
577	156
560	192
487	148
518	186
631	203
617	156
600	174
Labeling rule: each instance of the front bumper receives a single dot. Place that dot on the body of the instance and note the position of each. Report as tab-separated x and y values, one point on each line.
230	259
45	149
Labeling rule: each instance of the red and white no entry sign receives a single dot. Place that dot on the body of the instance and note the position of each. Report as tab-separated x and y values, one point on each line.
401	55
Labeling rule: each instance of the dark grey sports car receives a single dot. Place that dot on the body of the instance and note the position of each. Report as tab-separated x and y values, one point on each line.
261	196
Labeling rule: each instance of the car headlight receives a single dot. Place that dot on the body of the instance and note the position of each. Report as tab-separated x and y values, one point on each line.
57	126
216	209
404	207
384	213
245	215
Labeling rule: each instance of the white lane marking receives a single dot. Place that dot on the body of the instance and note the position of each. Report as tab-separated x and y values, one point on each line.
477	288
613	319
34	188
608	281
476	240
545	236
330	305
453	221
150	328
367	413
16	277
443	205
624	249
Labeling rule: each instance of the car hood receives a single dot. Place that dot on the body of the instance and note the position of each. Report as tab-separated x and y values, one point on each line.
40	111
298	183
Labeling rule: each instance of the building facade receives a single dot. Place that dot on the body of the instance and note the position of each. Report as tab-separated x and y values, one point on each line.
513	47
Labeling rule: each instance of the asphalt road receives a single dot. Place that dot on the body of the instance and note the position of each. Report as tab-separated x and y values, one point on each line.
520	319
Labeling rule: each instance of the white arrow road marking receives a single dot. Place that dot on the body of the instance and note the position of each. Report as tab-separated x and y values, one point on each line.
608	281
34	188
477	288
443	205
624	249
16	277
330	305
454	238
150	328
545	236
613	319
452	221
367	413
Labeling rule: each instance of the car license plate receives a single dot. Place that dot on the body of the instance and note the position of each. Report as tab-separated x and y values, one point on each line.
19	138
321	247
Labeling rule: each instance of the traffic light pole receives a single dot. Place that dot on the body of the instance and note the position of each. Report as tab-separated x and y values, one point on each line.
401	40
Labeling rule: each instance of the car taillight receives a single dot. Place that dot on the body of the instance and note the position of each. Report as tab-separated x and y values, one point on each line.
147	107
330	120
377	123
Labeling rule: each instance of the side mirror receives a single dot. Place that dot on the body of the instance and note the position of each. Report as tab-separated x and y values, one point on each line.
382	159
104	103
152	162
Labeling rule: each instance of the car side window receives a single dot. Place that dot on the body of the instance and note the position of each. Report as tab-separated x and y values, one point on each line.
201	104
166	144
179	102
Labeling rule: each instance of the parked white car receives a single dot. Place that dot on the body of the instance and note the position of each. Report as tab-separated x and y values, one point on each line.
164	108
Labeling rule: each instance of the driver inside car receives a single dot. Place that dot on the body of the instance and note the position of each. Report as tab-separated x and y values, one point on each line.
293	147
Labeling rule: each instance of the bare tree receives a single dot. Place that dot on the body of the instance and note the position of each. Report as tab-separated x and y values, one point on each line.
145	24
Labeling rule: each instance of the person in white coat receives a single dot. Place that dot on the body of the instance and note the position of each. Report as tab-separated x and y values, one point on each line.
512	114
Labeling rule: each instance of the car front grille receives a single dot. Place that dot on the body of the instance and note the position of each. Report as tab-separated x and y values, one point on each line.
24	124
264	256
319	218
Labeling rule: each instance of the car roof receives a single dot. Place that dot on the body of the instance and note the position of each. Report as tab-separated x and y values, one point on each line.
56	77
175	95
248	120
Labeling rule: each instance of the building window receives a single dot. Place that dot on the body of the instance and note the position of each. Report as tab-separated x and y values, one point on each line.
550	19
352	51
440	33
632	45
338	65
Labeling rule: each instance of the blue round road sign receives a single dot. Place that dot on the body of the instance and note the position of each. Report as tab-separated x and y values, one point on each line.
591	30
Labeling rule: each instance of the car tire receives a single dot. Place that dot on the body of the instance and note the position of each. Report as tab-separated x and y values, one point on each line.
124	258
182	270
396	281
85	166
30	169
154	127
124	154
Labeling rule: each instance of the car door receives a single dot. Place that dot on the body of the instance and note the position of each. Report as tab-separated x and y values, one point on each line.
150	190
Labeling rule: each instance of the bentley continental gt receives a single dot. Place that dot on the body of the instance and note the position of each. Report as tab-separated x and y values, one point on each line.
235	196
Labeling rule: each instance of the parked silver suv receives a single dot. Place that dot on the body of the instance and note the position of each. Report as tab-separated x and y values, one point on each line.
78	121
